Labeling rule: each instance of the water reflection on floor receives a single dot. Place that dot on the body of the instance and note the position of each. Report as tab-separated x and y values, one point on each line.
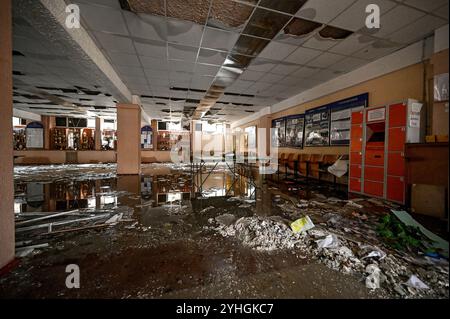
168	253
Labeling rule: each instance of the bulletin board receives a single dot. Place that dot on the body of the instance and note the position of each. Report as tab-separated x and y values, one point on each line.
35	135
279	132
146	137
317	126
294	130
340	118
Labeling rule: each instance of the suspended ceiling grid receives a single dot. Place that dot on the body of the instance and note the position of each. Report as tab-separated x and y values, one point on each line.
172	56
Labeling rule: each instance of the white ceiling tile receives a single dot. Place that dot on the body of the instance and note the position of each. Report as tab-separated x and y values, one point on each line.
305	72
325	60
182	66
426	5
184	32
182	52
261	65
285	68
154	63
352	44
277	51
375	51
251	75
123	59
442	11
323	10
146	26
319	43
397	18
131	71
219	39
326	75
417	30
204	69
114	43
290	81
103	19
348	64
303	55
271	78
106	3
155	49
354	17
201	82
134	80
154	73
211	57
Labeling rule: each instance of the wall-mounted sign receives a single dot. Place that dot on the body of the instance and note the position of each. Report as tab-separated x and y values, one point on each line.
317	126
279	134
376	115
35	135
294	130
146	137
340	121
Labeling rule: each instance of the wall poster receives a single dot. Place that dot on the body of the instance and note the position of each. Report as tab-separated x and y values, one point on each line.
279	134
35	135
340	121
294	130
317	126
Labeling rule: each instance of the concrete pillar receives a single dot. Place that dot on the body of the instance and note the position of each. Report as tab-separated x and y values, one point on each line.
48	122
128	139
98	134
6	145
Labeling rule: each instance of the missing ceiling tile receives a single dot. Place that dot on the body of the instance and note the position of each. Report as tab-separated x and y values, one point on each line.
330	32
301	27
288	6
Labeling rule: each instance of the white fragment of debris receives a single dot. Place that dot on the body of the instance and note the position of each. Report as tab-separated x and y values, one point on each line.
330	241
353	204
415	282
225	219
114	219
373	279
204	210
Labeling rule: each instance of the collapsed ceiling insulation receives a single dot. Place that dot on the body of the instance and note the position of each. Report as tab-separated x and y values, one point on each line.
226	12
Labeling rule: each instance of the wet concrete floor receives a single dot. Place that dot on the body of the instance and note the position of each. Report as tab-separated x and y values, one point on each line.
162	249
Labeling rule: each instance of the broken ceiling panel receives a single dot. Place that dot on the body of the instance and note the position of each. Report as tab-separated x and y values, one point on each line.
330	32
229	15
265	24
288	6
301	27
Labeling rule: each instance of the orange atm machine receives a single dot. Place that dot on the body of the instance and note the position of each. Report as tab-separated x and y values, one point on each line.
377	148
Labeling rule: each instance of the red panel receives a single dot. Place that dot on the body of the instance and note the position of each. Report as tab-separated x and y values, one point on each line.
374	157
354	185
356	138
397	137
373	188
355	171
397	115
374	173
357	117
395	189
355	158
396	164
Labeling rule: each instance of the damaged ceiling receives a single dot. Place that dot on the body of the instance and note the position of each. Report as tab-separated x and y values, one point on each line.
189	56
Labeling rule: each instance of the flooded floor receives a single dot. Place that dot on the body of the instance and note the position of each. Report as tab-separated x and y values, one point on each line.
165	244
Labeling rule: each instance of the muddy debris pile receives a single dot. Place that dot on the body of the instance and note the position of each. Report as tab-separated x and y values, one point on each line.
395	273
266	234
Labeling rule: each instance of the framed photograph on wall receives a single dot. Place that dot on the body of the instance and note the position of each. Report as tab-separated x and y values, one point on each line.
279	133
294	130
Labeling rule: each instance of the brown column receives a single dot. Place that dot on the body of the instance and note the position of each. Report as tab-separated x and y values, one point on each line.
49	123
98	134
154	125
6	146
128	139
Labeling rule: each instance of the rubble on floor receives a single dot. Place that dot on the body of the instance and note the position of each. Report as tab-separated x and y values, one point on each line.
344	242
